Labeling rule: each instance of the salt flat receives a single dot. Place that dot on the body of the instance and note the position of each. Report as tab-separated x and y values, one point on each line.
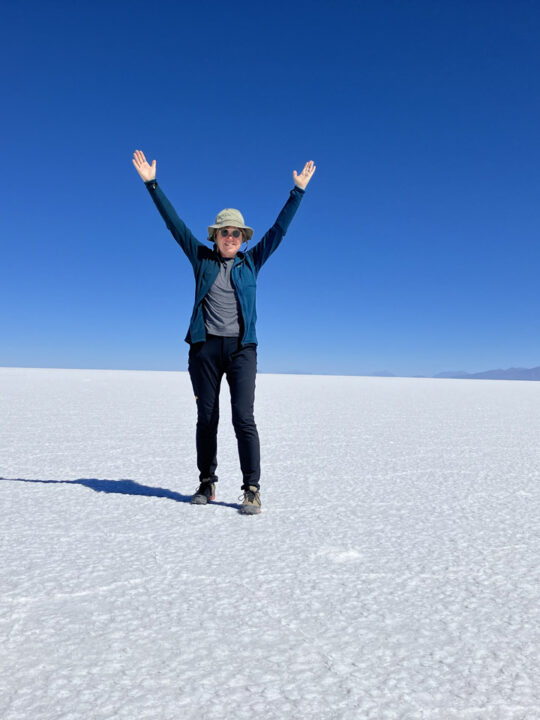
393	573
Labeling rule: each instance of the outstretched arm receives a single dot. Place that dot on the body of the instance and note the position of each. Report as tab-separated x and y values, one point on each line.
272	239
181	233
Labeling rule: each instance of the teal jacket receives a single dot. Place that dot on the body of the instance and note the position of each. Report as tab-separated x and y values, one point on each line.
205	262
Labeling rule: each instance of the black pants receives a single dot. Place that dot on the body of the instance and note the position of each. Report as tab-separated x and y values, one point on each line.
208	362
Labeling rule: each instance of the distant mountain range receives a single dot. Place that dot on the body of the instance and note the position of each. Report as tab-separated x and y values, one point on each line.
510	374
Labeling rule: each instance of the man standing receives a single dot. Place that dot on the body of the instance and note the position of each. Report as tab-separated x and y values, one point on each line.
221	333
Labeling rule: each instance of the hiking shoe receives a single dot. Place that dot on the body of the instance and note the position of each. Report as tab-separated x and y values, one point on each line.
252	501
205	493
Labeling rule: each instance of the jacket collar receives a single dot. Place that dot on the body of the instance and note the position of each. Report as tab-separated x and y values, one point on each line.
239	258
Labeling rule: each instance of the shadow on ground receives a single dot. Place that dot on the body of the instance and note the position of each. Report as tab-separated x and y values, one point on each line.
122	487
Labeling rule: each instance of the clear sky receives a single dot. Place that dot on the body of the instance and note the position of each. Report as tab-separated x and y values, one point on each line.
415	250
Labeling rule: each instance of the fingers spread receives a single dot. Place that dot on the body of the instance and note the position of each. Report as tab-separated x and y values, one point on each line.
139	157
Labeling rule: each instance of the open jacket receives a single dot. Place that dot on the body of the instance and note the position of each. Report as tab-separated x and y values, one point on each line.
205	262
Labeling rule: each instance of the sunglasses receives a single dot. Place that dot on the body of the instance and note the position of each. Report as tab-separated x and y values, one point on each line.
225	233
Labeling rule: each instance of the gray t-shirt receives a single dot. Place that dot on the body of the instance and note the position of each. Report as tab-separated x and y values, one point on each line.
220	306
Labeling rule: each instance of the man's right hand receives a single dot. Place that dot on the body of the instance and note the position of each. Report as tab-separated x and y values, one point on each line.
146	171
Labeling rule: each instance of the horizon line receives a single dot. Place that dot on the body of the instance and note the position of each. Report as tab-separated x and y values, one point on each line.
444	375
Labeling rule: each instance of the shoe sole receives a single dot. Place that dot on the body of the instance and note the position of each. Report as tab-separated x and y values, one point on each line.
201	499
250	510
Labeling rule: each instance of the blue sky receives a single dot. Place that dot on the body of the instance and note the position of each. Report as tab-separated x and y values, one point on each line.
415	250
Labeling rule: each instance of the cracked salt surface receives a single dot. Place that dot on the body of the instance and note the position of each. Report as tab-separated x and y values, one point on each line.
393	572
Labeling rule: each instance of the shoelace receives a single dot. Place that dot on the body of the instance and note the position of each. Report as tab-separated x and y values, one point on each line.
248	495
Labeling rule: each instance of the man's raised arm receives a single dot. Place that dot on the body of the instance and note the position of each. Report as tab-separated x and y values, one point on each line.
271	240
181	233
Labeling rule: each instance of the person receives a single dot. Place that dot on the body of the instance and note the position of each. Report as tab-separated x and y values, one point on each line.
221	333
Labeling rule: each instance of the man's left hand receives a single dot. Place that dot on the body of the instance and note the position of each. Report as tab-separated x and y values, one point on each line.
301	180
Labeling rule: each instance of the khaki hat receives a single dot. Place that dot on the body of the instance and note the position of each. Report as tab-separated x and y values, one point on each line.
230	218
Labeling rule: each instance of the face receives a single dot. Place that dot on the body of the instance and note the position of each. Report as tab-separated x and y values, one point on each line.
228	245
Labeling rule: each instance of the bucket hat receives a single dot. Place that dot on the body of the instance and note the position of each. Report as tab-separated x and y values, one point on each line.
230	218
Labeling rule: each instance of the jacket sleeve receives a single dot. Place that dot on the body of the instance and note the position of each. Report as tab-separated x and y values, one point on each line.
181	233
272	239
